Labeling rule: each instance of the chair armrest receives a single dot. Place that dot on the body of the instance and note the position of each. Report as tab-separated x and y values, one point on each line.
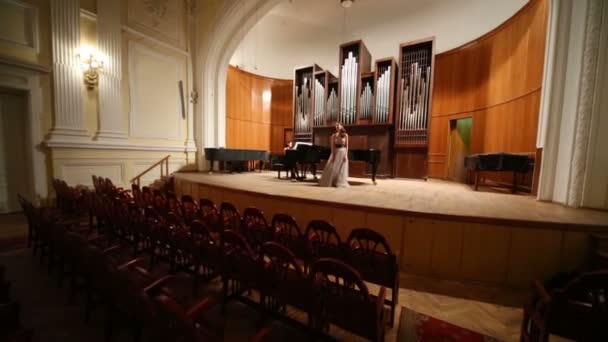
129	263
262	335
195	311
111	249
158	283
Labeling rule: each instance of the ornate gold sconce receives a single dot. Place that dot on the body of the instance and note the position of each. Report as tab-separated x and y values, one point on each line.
92	64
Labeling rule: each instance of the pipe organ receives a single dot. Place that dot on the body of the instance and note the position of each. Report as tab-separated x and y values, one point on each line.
304	102
414	95
386	109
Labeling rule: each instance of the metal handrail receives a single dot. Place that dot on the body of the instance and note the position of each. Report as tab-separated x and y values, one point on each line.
164	163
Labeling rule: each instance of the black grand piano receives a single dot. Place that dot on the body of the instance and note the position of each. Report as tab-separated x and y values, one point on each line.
234	156
497	162
311	155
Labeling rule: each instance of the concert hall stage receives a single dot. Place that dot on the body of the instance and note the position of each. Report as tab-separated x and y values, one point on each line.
440	229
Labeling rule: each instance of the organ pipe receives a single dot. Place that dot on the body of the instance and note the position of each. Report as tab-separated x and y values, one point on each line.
414	91
383	94
366	101
349	78
319	109
303	107
332	105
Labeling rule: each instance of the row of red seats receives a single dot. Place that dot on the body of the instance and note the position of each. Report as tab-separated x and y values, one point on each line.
128	229
365	249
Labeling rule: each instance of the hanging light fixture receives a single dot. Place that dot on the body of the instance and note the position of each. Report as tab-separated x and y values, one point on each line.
346	3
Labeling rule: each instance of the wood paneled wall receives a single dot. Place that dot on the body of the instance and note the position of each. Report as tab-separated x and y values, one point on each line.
496	80
258	109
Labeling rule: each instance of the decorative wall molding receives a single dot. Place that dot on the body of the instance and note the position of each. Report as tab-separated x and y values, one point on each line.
160	18
98	145
174	70
29	39
79	173
155	41
68	78
111	117
586	99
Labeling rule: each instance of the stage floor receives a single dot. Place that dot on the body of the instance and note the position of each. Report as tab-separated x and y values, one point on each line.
425	198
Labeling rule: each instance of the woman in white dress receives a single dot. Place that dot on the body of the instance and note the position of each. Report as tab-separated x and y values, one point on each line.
336	169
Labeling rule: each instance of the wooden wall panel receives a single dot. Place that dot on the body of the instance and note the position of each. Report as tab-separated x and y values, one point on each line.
496	80
258	109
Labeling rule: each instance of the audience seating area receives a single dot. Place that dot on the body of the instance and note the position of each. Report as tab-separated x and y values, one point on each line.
143	255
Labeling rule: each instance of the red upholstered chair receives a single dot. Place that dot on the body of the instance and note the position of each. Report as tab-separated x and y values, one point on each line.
190	210
182	315
230	217
210	217
128	306
205	252
256	228
288	233
370	254
240	269
345	300
283	281
534	326
324	241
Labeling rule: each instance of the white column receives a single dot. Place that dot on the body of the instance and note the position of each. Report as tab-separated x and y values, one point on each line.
569	98
111	117
67	73
191	96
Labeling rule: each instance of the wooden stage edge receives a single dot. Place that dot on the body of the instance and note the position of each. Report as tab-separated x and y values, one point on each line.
468	205
439	229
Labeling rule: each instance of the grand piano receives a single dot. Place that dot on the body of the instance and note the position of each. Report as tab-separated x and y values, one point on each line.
232	156
497	162
311	155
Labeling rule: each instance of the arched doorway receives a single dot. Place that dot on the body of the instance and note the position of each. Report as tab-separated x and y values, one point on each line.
235	19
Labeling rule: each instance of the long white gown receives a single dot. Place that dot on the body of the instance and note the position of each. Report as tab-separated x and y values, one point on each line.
336	173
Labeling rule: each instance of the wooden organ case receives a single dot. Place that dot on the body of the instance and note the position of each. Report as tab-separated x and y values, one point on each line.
415	88
386	109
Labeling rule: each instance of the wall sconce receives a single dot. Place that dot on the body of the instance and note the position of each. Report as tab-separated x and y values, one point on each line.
92	64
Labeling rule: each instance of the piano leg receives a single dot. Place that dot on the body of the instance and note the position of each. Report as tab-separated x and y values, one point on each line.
211	161
514	189
374	169
476	180
314	171
261	165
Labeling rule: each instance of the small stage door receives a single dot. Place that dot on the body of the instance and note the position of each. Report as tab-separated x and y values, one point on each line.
459	140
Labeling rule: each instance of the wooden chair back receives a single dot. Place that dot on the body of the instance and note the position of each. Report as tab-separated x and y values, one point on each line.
324	241
345	300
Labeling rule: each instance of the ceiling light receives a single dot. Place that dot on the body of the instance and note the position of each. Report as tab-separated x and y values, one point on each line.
346	3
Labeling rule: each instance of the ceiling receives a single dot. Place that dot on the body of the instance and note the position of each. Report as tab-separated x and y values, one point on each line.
300	32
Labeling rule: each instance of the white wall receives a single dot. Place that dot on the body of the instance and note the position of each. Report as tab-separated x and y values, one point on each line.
300	32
